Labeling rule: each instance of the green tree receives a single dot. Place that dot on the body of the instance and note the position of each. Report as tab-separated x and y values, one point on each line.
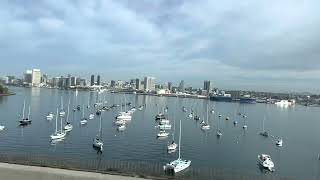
3	90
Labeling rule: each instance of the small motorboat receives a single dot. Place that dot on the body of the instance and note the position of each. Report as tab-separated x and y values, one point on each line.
266	162
279	142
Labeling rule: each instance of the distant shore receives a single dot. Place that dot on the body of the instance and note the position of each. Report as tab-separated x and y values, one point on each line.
7	94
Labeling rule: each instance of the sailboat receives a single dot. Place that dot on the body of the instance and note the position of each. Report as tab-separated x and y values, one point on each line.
62	112
58	134
206	126
83	120
279	142
173	146
245	124
25	121
97	141
178	164
264	132
49	116
68	127
219	132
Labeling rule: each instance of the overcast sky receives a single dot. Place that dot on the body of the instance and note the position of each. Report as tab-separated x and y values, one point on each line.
269	45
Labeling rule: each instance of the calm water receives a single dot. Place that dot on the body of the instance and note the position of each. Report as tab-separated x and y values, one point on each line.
236	149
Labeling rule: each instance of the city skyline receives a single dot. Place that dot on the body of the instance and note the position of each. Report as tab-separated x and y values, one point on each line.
241	45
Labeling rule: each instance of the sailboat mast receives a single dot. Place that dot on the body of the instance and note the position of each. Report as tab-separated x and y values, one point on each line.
29	113
57	120
82	111
61	103
180	140
24	106
207	114
100	131
263	123
68	111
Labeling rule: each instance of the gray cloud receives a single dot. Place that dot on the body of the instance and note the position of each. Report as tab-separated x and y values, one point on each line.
233	43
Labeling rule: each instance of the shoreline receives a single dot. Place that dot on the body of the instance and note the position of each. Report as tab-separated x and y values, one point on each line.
7	94
17	172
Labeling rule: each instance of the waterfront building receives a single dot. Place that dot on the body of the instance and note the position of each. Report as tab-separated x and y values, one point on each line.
98	80
170	86
92	80
149	83
207	87
74	81
137	84
112	83
36	77
28	77
181	86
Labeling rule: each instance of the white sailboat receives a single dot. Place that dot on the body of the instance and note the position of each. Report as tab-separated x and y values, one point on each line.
83	120
219	132
62	112
245	124
279	142
50	116
58	134
25	121
178	164
163	133
173	146
264	132
68	127
206	126
97	141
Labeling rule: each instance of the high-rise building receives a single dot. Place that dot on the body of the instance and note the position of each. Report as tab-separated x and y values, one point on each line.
181	86
55	81
73	81
206	86
137	84
149	84
28	77
170	86
68	81
92	80
36	77
113	83
98	80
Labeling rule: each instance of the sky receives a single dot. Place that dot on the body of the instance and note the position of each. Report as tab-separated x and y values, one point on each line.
266	45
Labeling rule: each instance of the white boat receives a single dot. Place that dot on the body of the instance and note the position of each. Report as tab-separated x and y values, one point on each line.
120	122
62	112
279	142
140	108
191	115
163	133
219	132
264	132
122	127
123	117
91	116
244	120
58	134
205	125
164	126
266	162
212	111
178	164
50	116
164	121
173	146
83	120
97	141
2	128
25	121
68	127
